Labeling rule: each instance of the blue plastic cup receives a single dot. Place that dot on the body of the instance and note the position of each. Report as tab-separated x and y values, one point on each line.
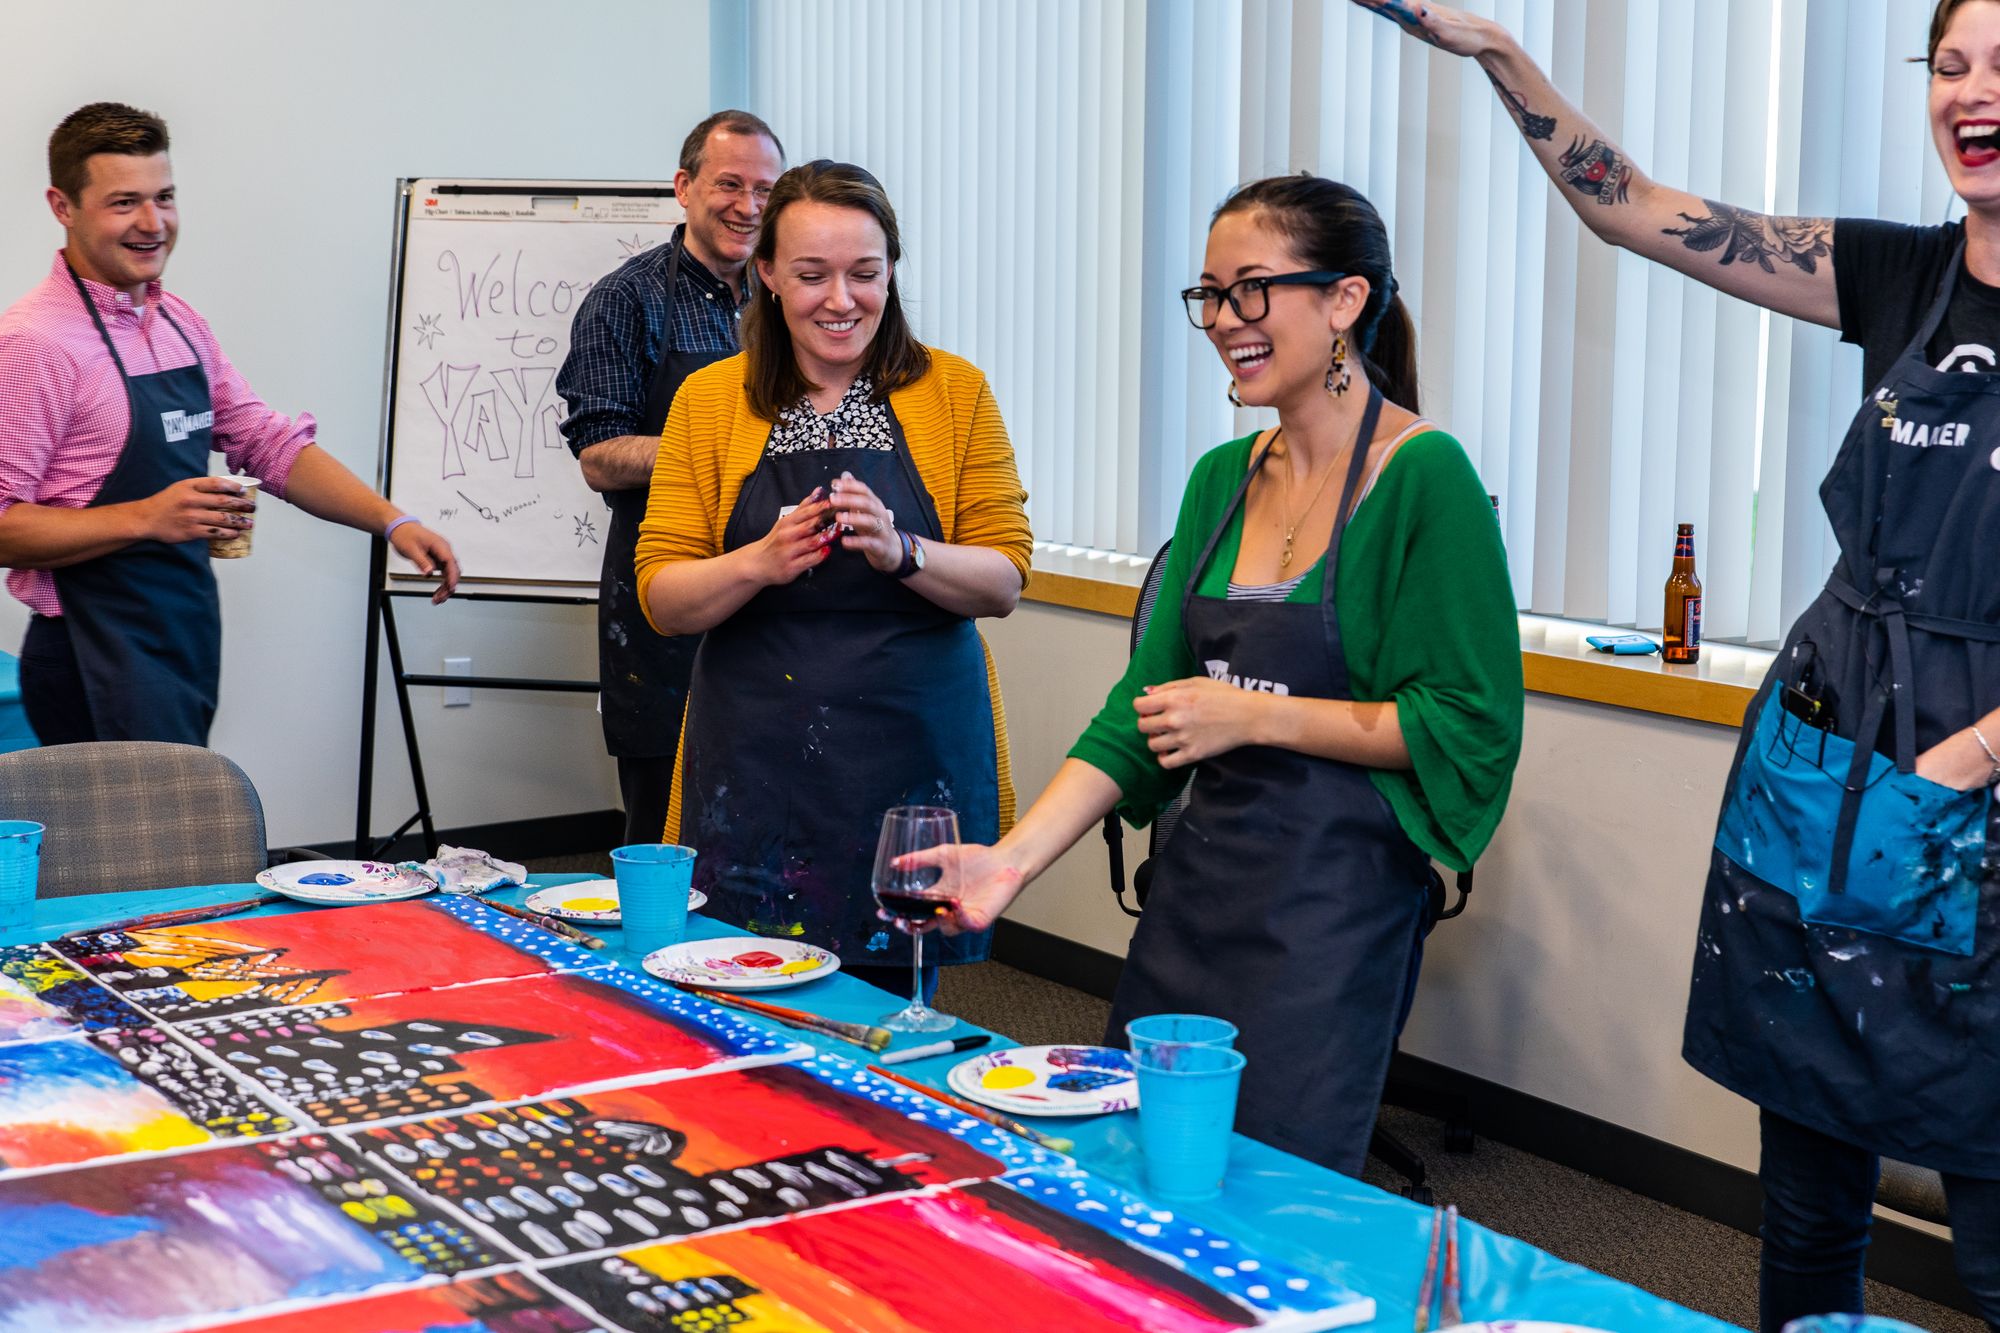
1186	1113
653	882
20	866
1159	1037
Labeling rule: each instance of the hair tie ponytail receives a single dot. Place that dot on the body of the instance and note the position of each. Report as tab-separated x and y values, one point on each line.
1387	288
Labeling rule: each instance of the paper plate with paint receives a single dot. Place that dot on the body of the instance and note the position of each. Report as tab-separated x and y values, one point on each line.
592	900
338	883
741	962
1049	1080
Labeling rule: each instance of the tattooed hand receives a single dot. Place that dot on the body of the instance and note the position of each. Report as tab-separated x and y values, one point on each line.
1447	29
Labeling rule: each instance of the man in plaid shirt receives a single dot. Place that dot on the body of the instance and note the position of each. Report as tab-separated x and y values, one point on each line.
656	319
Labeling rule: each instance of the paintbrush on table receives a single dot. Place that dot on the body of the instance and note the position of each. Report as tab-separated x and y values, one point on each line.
179	916
561	929
1430	1272
978	1112
859	1034
1448	1314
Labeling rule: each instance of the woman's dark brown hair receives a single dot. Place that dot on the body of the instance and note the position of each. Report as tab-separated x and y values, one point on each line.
895	358
1333	227
1940	20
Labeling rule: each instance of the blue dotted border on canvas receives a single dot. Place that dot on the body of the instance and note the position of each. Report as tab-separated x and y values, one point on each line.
736	1035
1014	1153
1272	1287
523	935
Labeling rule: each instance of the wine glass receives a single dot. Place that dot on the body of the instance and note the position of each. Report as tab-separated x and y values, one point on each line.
912	897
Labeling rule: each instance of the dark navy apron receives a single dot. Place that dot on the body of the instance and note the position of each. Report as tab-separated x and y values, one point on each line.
1289	901
642	677
1844	970
819	705
145	620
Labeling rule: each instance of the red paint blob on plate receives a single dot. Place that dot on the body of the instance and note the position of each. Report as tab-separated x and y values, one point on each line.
758	958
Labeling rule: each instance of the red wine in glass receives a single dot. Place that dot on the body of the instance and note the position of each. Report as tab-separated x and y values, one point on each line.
910	896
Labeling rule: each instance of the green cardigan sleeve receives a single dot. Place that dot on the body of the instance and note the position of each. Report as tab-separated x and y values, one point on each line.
1112	743
1428	621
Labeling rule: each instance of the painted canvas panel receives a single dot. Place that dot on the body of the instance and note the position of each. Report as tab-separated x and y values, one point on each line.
117	1092
439	1051
140	1242
598	1170
499	1303
911	1265
43	996
211	968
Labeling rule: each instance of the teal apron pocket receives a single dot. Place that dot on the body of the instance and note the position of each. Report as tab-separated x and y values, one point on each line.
1919	848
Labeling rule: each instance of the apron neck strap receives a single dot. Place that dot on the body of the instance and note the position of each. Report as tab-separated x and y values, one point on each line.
105	334
1934	317
1350	491
667	339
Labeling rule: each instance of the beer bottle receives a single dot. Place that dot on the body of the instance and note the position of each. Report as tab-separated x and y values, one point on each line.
1682	632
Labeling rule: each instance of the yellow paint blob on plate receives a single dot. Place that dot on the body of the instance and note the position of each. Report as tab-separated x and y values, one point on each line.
798	965
591	904
1006	1078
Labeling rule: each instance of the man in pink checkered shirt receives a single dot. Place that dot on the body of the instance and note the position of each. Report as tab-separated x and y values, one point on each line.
114	393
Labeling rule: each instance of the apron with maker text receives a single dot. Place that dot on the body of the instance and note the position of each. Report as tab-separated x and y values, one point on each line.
1845	965
145	620
1289	900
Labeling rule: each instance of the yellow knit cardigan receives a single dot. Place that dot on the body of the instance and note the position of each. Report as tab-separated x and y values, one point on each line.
713	441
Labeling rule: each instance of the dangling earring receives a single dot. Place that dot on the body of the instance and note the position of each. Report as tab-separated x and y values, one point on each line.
1338	376
1233	396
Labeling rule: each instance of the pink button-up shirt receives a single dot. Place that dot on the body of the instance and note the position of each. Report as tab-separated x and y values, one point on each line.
64	414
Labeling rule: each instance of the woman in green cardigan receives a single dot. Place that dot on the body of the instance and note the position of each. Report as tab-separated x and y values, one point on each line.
1343	729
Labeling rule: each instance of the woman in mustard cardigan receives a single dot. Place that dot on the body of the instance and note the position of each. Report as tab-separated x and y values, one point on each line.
832	508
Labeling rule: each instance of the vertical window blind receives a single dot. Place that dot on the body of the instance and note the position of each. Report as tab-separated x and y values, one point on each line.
1054	164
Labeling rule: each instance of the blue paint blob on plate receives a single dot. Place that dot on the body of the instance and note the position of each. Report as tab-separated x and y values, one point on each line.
325	879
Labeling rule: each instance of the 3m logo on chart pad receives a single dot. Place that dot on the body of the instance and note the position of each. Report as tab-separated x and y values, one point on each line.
179	425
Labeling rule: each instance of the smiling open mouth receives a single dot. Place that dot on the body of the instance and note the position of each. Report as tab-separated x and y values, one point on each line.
1978	141
1250	356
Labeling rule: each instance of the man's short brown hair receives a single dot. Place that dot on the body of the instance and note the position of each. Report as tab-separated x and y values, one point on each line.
735	122
101	127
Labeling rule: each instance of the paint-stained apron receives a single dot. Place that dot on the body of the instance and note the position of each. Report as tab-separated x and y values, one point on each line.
819	705
642	677
1844	969
1289	900
145	620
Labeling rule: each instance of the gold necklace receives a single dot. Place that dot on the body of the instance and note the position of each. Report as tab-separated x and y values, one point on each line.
1292	528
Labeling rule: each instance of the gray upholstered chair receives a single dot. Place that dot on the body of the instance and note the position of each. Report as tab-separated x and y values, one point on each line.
125	815
1916	1191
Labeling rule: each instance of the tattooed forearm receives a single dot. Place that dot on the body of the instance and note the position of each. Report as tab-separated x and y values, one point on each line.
1753	238
1598	170
1532	125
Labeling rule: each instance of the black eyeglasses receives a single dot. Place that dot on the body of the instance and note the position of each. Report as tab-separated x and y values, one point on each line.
1250	298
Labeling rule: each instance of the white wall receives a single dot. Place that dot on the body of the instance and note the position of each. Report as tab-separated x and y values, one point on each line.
1568	976
291	124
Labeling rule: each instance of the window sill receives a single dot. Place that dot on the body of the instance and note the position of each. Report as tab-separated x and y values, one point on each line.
1554	658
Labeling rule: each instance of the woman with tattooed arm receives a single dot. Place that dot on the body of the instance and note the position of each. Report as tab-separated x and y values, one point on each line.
1846	965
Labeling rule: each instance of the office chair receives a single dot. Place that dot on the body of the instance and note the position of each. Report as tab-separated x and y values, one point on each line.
125	815
1385	1147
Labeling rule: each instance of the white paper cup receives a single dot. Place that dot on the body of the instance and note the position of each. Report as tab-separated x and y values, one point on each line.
237	545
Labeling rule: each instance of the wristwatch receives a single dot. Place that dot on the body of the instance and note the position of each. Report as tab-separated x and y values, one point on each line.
913	554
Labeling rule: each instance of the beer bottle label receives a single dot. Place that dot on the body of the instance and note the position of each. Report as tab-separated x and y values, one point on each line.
1691	613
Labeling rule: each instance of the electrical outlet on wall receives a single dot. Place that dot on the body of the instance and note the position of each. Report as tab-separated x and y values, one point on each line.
458	696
